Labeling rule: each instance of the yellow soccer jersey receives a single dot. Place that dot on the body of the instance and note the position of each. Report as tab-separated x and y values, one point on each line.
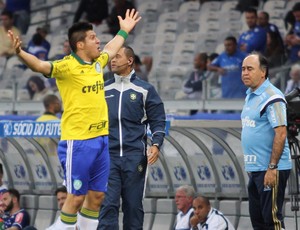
81	87
47	117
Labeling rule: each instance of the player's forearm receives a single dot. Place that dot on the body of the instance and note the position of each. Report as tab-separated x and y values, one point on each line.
34	63
113	46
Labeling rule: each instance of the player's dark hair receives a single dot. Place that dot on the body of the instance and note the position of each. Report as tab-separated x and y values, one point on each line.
129	53
1	169
14	193
7	13
251	10
266	15
61	189
49	99
263	62
231	38
77	33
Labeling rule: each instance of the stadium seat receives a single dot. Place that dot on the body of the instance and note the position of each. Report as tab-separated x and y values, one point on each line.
165	214
244	220
231	209
30	204
269	6
228	5
6	94
289	216
149	210
46	212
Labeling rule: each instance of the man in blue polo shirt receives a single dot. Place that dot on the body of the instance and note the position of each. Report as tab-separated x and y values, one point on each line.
254	39
228	65
264	142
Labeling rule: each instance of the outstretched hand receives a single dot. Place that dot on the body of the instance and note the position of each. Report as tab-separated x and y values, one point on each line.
15	41
131	19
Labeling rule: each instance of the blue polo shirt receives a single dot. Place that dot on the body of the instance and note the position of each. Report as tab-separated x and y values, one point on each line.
231	82
255	39
264	110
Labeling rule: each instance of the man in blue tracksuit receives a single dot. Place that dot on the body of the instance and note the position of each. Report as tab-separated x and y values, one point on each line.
133	104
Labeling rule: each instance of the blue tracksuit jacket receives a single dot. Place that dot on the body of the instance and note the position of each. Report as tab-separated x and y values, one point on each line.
133	104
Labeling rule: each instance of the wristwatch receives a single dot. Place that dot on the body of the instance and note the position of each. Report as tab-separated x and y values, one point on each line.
272	166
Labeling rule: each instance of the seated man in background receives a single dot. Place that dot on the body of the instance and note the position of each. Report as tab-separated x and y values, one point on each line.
61	196
14	217
207	217
52	106
184	200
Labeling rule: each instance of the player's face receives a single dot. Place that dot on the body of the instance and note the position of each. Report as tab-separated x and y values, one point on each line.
262	19
297	15
91	45
7	202
230	47
182	201
252	75
120	63
61	198
201	209
250	19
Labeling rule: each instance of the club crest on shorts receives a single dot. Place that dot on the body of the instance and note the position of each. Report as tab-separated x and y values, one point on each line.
133	96
98	67
140	168
77	184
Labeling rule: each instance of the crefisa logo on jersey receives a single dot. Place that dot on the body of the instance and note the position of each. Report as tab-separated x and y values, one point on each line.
98	67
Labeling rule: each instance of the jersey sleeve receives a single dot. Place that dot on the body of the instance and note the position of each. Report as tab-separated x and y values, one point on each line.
21	220
276	114
59	68
103	59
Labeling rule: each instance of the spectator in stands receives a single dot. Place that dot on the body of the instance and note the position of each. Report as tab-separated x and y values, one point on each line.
119	8
193	86
6	47
264	143
43	31
14	217
52	106
263	21
184	201
66	51
228	65
36	88
293	38
36	47
95	11
243	5
208	218
256	37
294	82
137	104
20	11
275	52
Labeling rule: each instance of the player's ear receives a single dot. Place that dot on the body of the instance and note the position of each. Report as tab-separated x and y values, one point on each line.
130	61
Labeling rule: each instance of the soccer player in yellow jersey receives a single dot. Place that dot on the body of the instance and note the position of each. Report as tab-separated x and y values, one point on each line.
83	149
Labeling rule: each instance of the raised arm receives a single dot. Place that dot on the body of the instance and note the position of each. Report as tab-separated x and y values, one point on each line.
30	60
126	25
